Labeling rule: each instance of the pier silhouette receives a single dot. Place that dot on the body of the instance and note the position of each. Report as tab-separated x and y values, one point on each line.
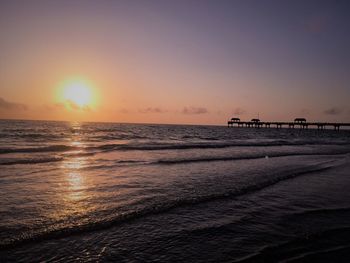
298	122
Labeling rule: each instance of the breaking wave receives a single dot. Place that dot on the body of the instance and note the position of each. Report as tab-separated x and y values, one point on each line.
158	207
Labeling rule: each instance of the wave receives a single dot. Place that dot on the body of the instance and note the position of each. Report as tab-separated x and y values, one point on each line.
150	147
162	207
185	146
153	146
52	148
237	158
29	135
310	248
117	137
322	211
161	161
120	163
30	161
340	252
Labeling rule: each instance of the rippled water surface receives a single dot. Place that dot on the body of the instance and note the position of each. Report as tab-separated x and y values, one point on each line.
133	192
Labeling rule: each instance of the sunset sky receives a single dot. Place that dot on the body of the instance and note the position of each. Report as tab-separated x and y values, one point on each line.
198	62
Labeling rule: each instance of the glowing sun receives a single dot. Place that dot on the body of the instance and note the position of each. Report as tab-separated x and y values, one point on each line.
77	94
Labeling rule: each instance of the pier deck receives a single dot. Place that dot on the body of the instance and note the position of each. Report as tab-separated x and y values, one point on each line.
278	124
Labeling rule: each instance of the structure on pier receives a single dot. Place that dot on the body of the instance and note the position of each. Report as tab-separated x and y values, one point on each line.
301	122
235	119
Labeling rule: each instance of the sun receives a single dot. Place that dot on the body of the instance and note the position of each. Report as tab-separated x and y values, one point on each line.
77	94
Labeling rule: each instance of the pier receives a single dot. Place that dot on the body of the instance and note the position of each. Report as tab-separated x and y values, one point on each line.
297	123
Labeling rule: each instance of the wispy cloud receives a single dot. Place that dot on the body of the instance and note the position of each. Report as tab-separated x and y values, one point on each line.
8	105
152	110
333	111
304	111
73	106
124	111
239	111
52	107
59	105
195	110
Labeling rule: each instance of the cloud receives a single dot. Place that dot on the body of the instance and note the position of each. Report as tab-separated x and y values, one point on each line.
239	111
7	105
152	110
124	111
194	110
333	111
53	107
305	111
59	105
72	105
86	108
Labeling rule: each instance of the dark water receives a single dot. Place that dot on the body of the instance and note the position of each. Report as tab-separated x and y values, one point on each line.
171	193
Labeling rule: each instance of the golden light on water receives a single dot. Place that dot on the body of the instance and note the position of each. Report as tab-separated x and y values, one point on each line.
72	167
75	183
75	179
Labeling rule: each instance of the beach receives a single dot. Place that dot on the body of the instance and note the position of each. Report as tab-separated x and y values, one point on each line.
172	193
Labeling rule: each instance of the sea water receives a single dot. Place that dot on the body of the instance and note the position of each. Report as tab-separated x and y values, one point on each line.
146	192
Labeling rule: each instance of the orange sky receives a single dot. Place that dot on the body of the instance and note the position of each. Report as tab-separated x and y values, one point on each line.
174	63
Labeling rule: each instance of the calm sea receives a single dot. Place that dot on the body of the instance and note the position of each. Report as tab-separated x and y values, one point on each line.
172	193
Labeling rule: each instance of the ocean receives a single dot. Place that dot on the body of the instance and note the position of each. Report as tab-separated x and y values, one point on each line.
172	193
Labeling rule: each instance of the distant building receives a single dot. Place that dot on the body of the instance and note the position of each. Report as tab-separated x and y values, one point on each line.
235	119
299	120
255	120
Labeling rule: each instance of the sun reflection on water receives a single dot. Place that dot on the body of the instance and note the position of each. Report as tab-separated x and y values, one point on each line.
71	196
74	177
74	181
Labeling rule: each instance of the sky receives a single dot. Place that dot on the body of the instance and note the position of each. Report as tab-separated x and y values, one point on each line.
190	62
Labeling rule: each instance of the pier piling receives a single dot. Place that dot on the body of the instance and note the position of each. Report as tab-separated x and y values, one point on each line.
301	122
